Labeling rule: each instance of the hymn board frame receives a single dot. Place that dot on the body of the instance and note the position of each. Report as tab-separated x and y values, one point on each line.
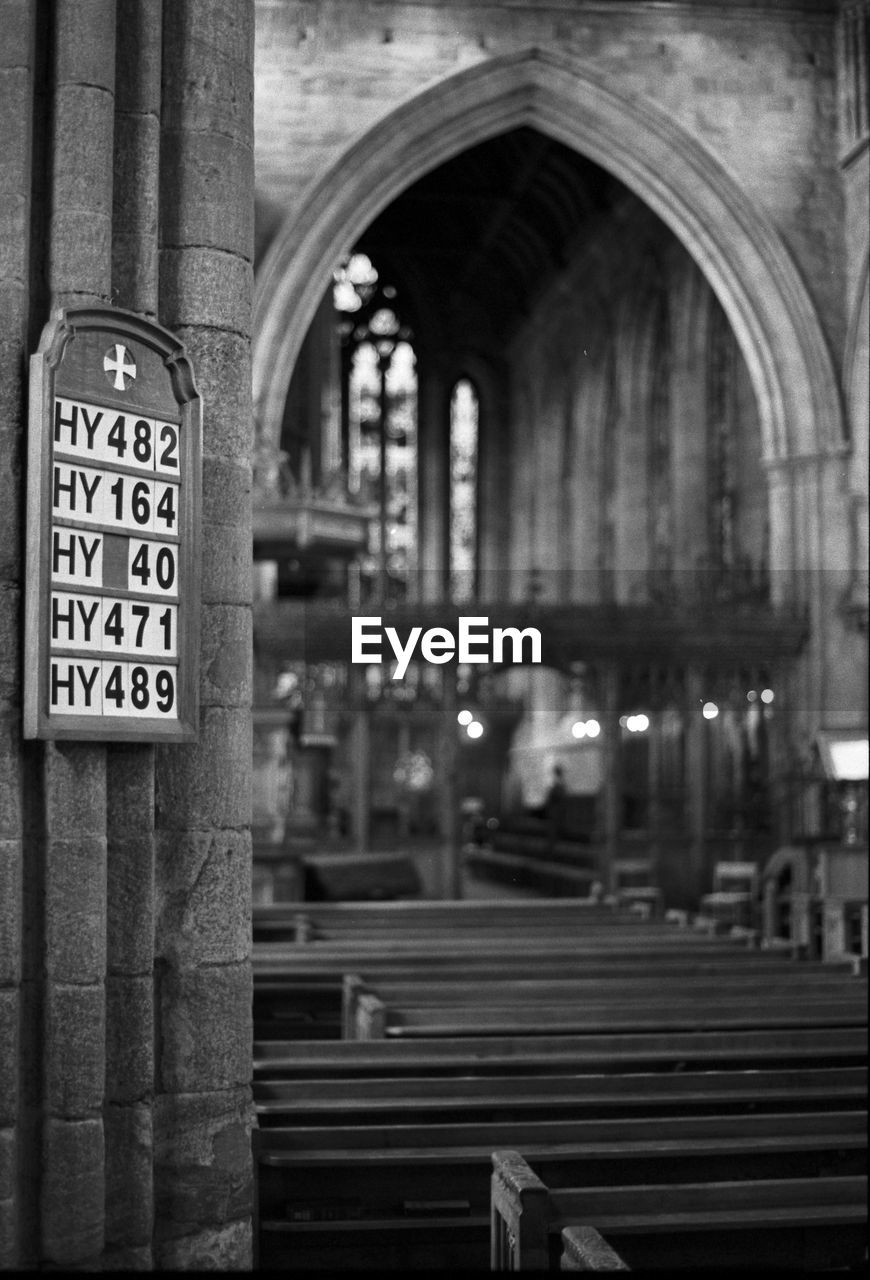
108	359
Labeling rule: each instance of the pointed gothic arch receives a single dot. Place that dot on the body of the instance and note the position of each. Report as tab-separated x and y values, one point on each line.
734	243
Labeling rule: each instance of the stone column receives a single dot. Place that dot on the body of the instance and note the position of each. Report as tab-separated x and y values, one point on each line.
127	1115
202	1118
633	365
72	1208
696	781
19	1060
360	759
690	318
611	759
451	836
654	782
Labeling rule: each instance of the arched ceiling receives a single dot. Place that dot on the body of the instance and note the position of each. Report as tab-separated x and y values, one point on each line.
477	238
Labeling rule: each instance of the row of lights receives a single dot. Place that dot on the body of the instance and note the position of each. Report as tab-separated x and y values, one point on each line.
634	724
710	711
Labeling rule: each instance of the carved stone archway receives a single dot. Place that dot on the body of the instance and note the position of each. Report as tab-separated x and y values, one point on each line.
734	244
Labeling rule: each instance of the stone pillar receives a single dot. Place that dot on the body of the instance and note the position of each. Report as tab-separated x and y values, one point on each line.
360	757
404	798
202	1108
654	781
810	556
137	155
633	365
330	390
127	1114
586	488
72	1202
696	781
610	750
19	1059
451	836
690	320
843	642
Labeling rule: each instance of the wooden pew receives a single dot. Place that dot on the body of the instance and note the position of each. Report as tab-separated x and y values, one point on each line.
309	920
503	1082
449	948
548	1055
305	987
301	922
325	962
374	1173
298	990
585	1249
375	1019
325	966
324	1004
393	1100
497	931
808	1223
645	981
550	875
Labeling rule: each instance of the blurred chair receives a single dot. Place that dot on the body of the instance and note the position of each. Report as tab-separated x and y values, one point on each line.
734	900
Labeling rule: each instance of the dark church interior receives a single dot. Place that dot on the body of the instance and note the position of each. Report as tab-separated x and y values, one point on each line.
465	866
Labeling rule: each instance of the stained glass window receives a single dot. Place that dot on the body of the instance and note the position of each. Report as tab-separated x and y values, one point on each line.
380	399
464	412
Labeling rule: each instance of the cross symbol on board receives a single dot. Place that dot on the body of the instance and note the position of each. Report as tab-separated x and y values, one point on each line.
119	362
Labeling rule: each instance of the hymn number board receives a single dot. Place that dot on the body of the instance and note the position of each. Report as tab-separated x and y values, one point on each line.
113	532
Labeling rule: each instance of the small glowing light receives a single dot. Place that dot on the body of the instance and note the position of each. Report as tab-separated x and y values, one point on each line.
623	721
709	711
465	717
578	728
751	696
593	728
641	723
767	695
475	729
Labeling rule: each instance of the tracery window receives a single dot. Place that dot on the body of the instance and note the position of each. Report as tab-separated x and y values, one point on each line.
464	423
379	400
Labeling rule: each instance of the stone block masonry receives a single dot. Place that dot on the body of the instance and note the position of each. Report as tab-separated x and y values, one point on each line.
125	1109
203	1113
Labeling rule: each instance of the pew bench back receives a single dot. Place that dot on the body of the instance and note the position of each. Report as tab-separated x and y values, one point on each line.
395	1100
765	1221
379	1173
546	1055
375	1019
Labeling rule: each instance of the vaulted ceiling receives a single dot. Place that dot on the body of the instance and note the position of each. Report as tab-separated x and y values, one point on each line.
485	232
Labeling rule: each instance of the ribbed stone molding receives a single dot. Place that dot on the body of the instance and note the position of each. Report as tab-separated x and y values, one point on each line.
734	243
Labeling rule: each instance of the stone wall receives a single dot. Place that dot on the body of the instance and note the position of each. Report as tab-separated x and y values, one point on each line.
125	1107
755	83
